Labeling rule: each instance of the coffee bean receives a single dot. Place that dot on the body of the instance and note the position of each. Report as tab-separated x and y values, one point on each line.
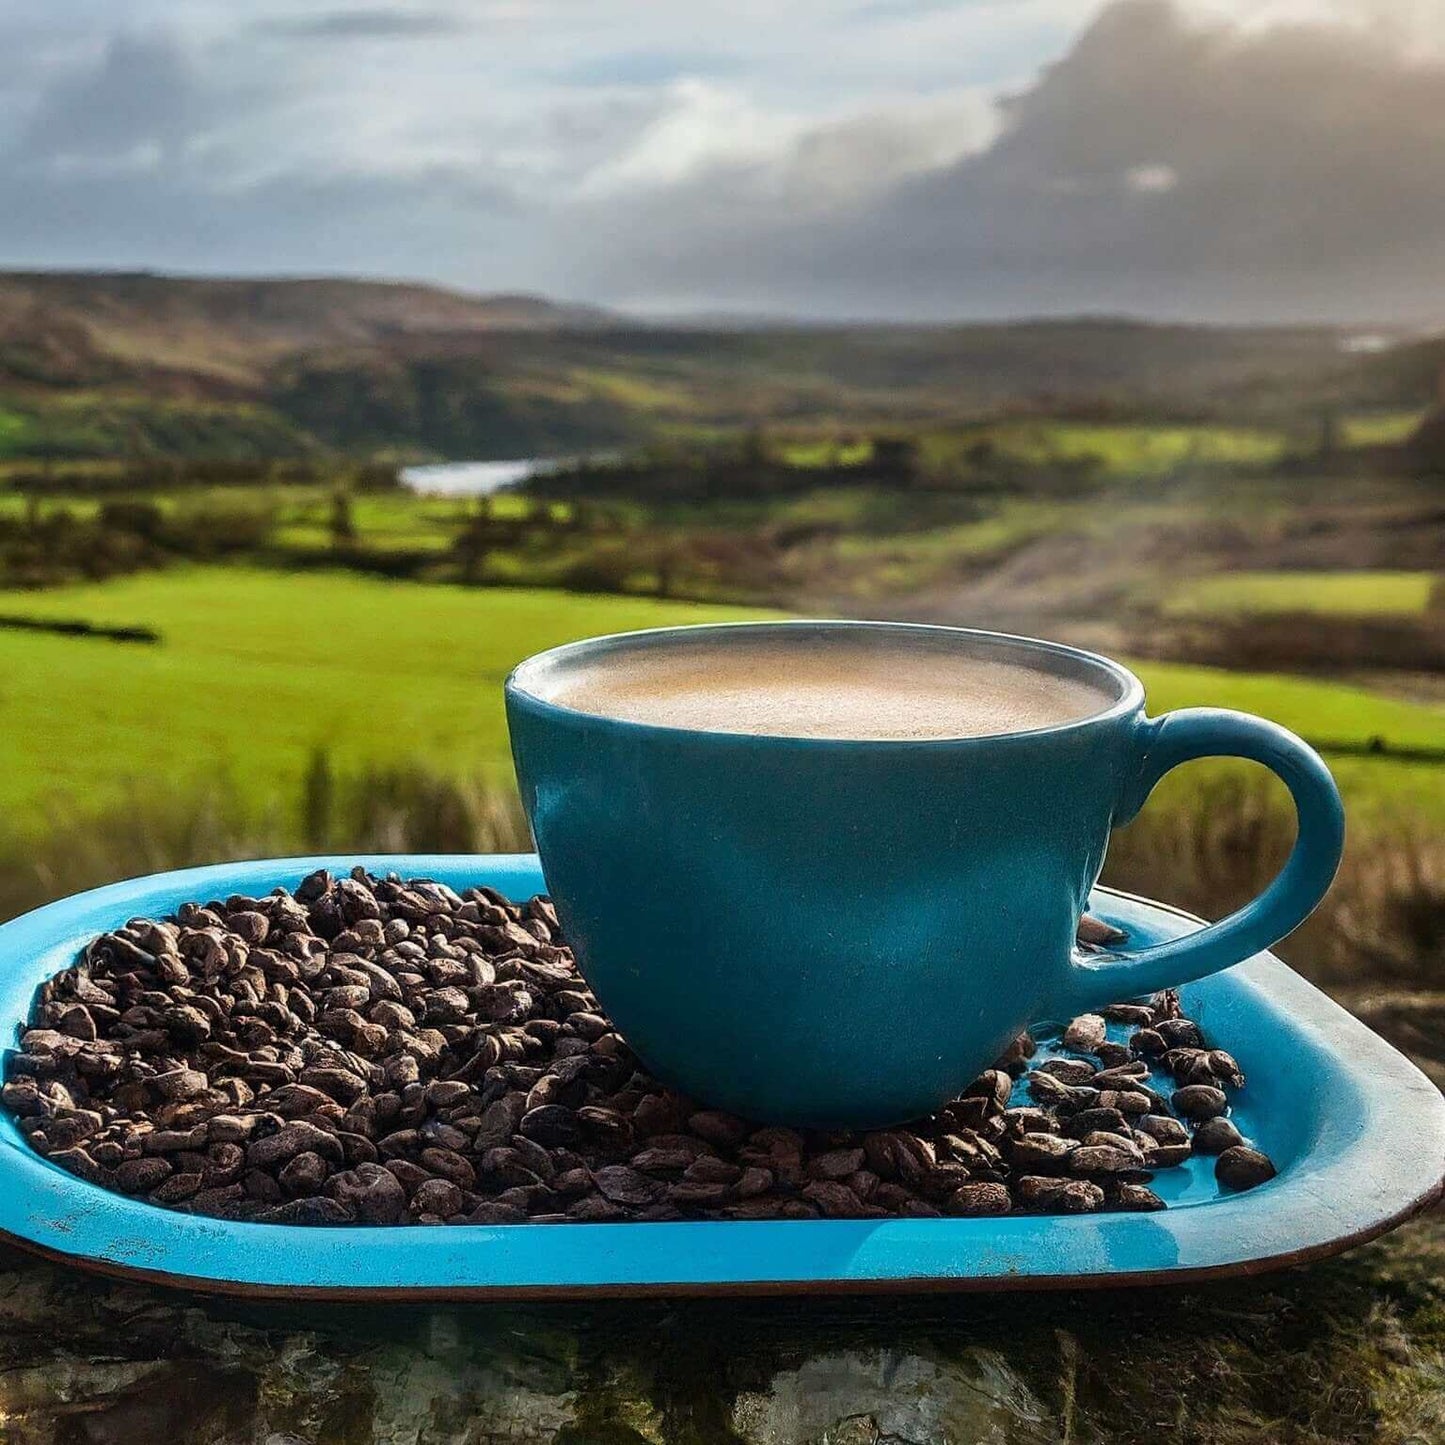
318	1210
834	1200
995	1086
1105	1159
1166	1130
292	1139
1095	931
1147	1044
835	1164
1015	1058
1214	1136
974	1199
1199	1101
725	1130
1138	1015
177	1188
1179	1033
387	1052
304	1174
449	1165
1121	1076
551	1125
140	1176
1122	1194
1241	1167
494	1213
1043	1153
436	1196
1085	1033
1071	1072
622	1185
1066	1196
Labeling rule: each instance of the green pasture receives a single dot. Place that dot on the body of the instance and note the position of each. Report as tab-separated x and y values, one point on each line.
1341	594
257	670
1380	428
1122	450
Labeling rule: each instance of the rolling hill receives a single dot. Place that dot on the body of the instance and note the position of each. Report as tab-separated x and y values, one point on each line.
107	363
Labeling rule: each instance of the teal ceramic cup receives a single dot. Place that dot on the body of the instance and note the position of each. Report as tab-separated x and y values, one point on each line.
844	933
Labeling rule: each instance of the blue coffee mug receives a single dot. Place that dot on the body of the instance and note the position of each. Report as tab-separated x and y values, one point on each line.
838	932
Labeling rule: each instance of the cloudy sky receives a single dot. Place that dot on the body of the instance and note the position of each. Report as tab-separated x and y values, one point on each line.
929	159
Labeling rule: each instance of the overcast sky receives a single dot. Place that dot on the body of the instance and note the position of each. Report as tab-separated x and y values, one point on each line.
929	159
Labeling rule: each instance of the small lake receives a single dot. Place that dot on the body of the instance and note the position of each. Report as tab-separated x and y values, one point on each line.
474	479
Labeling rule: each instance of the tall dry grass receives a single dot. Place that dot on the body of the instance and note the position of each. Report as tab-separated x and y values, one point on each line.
1383	924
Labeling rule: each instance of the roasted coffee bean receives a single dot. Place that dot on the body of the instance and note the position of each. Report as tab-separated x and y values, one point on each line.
1106	1158
1164	1156
1121	1076
1214	1136
140	1176
995	1086
1015	1058
319	1210
551	1125
1095	931
1085	1033
1199	1101
974	1199
1241	1167
1179	1033
725	1130
437	1196
1147	1044
387	1052
1043	1153
1123	1194
835	1164
1165	1130
622	1185
177	1188
835	1200
1048	1090
1071	1072
1138	1015
305	1174
1066	1196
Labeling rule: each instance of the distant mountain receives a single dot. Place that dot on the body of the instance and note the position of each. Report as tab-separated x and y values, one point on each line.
232	329
111	362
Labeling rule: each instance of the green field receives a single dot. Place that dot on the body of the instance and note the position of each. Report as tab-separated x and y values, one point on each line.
1341	594
1124	450
257	670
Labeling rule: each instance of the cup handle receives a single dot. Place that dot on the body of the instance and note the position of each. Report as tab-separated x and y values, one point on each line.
1206	732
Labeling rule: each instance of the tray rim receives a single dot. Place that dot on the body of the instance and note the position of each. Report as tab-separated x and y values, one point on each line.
1415	1176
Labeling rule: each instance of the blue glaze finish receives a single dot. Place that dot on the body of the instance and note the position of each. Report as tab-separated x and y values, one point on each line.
838	932
1357	1131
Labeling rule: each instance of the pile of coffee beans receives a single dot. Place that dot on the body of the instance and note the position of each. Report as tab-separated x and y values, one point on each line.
388	1051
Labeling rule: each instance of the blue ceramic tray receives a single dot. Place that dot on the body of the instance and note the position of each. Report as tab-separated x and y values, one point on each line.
1357	1131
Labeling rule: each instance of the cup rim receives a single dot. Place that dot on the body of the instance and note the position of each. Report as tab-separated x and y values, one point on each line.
1130	699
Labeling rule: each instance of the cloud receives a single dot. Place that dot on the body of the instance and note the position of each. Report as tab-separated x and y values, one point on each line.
648	67
138	98
144	158
1165	165
366	25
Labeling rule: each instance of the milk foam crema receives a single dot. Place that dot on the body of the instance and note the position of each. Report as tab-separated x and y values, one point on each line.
812	688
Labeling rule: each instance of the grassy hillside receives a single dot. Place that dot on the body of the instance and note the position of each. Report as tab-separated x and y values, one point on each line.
257	670
1340	594
115	364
